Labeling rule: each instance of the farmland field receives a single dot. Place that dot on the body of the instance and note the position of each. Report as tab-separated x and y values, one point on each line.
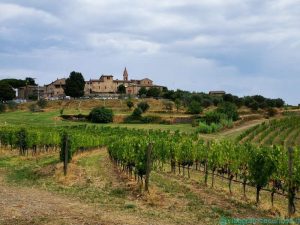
284	132
195	179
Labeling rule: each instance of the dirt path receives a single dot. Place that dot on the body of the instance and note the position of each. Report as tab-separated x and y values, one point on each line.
21	205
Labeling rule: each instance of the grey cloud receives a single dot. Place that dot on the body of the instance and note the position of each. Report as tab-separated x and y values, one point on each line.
245	47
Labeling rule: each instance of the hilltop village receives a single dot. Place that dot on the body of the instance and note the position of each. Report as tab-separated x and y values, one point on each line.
105	85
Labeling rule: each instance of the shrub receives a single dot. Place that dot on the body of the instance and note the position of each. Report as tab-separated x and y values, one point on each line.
208	129
271	112
12	105
151	119
194	108
101	115
214	117
229	109
130	104
2	107
144	106
42	103
34	108
137	113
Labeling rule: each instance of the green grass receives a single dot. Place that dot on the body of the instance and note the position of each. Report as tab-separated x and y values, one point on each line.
22	170
51	118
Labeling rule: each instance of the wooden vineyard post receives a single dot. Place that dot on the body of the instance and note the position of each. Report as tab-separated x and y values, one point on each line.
148	166
66	150
291	194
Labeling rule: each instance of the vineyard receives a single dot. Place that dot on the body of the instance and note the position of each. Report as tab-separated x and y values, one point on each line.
271	168
284	132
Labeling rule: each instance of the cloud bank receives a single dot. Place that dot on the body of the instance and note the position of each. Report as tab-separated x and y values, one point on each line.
244	47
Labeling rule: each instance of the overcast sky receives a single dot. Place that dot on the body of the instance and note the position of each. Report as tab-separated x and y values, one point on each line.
244	47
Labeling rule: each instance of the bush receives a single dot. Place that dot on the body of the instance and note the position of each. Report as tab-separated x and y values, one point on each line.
214	117
42	103
137	113
12	105
2	107
144	106
208	129
101	115
194	108
271	112
229	109
130	104
151	119
34	108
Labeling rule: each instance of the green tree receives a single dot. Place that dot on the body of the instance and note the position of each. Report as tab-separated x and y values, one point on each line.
6	92
142	92
229	109
75	85
101	115
144	106
121	89
129	103
194	108
153	92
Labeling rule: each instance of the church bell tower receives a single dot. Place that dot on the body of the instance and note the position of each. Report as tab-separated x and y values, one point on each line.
125	75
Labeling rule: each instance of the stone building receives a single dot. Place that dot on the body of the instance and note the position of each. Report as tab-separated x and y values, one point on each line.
217	93
30	92
106	84
55	89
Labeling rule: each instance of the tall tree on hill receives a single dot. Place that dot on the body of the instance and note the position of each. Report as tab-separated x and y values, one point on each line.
6	92
75	85
121	89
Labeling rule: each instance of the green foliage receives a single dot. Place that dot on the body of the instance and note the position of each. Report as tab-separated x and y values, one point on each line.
261	168
6	92
153	92
142	92
2	107
151	119
17	83
121	89
137	113
12	105
144	106
205	128
194	108
42	103
214	117
229	109
129	103
75	85
101	115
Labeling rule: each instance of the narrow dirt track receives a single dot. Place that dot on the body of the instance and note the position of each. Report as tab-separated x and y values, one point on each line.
21	205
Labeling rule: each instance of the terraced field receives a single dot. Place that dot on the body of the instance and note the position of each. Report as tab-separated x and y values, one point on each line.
284	132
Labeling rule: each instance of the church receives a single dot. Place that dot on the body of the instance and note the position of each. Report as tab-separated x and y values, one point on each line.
107	84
